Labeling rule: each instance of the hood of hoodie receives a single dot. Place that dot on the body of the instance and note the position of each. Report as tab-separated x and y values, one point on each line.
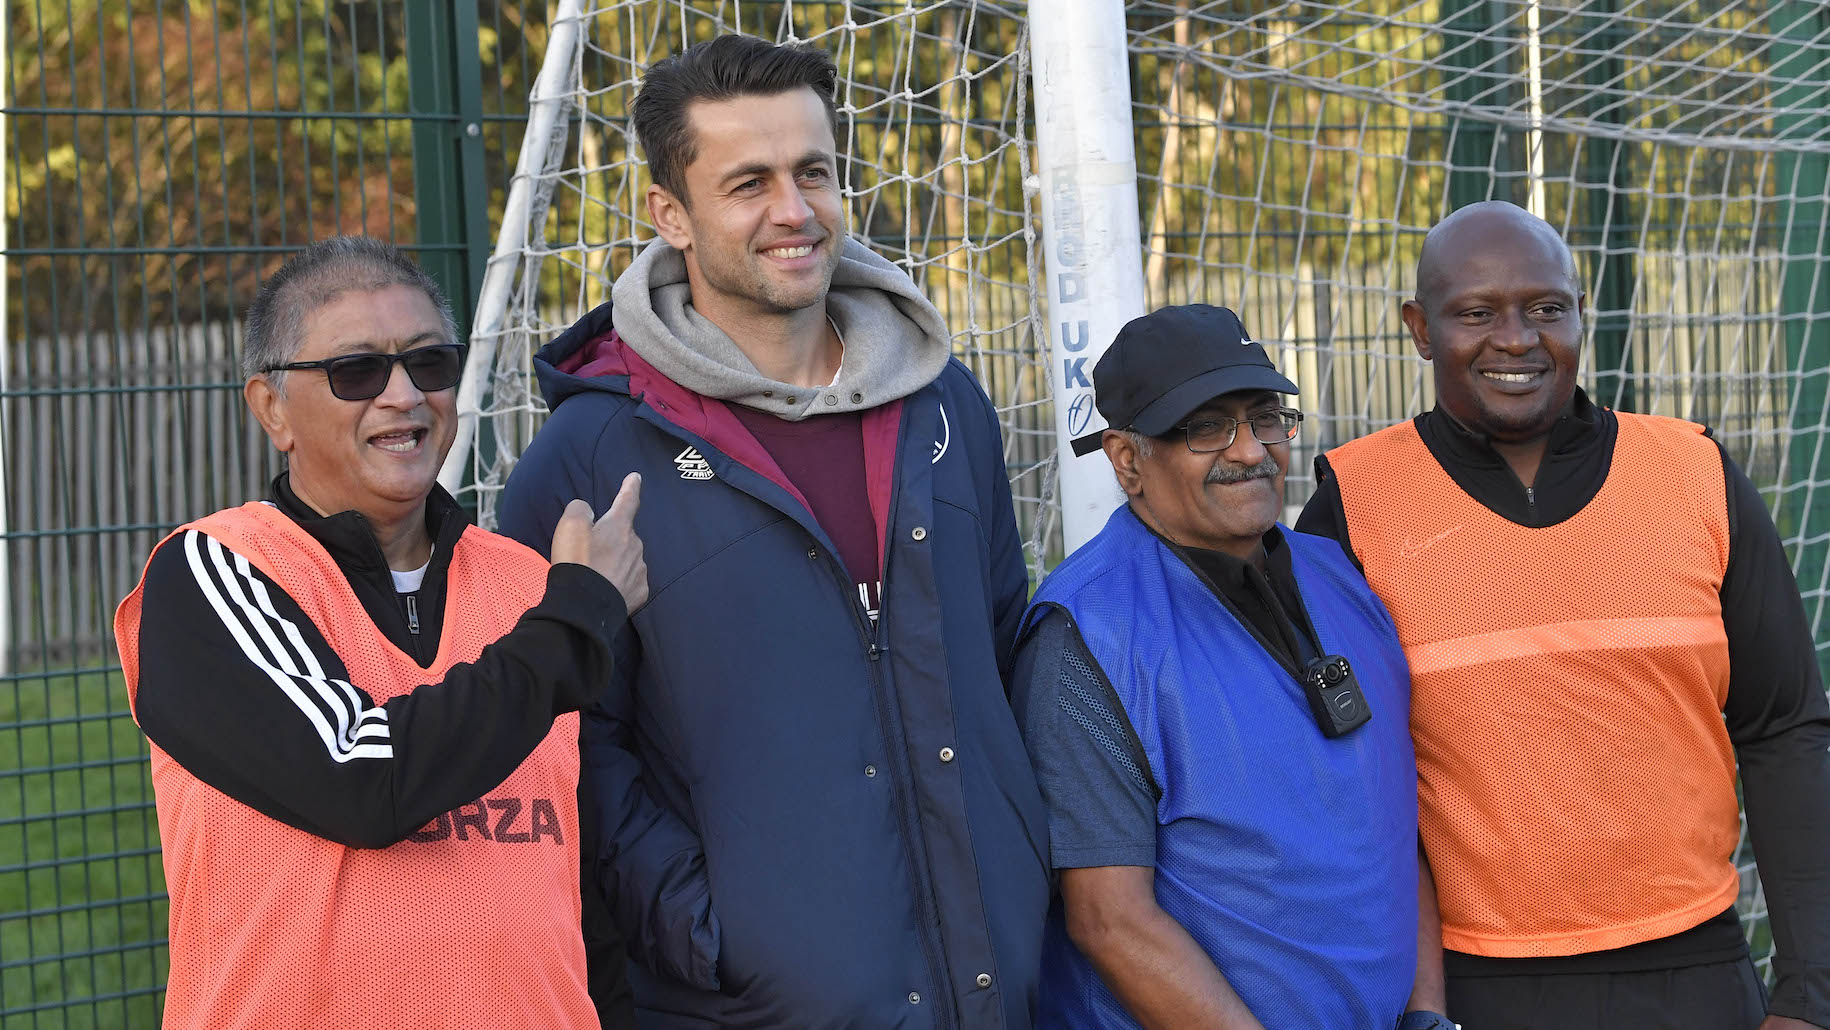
895	340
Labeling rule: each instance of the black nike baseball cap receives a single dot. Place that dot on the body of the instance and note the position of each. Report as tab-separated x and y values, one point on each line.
1163	365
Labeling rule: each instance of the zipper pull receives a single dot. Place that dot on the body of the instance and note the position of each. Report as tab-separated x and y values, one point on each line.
412	615
1530	497
875	652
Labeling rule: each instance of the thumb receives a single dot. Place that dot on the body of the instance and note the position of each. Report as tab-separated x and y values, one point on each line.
572	536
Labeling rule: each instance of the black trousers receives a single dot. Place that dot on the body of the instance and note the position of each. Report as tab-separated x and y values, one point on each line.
1722	996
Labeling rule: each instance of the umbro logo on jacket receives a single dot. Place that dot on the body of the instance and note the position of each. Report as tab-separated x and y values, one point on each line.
692	464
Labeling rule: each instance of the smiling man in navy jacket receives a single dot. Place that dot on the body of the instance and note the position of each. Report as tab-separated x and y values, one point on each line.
813	805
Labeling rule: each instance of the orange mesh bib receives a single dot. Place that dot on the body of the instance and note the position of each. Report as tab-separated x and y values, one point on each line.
1575	779
472	921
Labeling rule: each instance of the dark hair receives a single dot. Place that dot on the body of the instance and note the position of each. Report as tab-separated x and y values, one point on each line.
313	278
722	68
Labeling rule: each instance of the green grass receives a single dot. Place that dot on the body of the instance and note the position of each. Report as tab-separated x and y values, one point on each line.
82	908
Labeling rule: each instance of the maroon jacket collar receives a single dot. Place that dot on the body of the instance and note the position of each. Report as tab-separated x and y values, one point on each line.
712	421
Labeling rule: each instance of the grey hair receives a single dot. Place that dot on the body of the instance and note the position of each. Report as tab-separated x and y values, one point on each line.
316	276
1144	444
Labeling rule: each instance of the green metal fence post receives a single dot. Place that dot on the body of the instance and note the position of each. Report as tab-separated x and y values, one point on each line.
1474	60
1804	298
1606	167
451	197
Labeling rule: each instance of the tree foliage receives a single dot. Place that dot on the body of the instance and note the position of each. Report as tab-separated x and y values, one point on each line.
163	155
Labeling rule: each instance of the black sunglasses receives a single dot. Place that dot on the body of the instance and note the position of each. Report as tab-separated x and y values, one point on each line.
360	377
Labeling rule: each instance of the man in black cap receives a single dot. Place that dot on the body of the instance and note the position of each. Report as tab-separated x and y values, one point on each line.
1217	710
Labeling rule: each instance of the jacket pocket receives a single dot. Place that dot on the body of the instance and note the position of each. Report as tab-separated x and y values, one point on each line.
683	940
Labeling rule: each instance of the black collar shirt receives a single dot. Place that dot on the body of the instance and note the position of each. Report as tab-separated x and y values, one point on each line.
1575	464
1262	593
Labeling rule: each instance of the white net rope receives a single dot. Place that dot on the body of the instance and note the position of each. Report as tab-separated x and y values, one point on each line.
1290	158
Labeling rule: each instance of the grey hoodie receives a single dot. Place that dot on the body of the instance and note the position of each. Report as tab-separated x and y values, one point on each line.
895	340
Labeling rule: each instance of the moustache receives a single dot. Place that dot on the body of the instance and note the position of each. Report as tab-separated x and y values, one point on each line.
1222	473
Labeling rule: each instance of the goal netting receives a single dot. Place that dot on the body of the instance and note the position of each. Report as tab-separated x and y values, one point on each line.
1290	157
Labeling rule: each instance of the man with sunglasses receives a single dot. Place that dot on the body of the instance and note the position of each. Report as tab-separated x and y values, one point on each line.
362	708
1217	710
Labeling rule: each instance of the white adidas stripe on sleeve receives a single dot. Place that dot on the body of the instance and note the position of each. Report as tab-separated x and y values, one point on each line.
248	613
339	695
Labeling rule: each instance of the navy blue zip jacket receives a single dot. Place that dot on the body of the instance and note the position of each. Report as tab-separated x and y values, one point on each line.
802	820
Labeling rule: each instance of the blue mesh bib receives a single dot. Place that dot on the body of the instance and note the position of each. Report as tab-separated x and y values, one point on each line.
1289	857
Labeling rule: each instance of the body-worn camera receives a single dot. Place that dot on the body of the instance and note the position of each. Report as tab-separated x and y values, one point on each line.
1335	696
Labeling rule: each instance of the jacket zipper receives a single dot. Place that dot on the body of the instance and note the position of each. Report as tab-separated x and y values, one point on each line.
412	649
941	988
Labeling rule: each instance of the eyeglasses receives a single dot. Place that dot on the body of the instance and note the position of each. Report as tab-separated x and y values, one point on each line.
359	377
1206	435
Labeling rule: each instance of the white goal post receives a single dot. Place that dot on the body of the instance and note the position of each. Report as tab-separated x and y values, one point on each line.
1087	181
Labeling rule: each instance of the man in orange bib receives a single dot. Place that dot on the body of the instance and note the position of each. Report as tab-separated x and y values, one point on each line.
368	808
1600	620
